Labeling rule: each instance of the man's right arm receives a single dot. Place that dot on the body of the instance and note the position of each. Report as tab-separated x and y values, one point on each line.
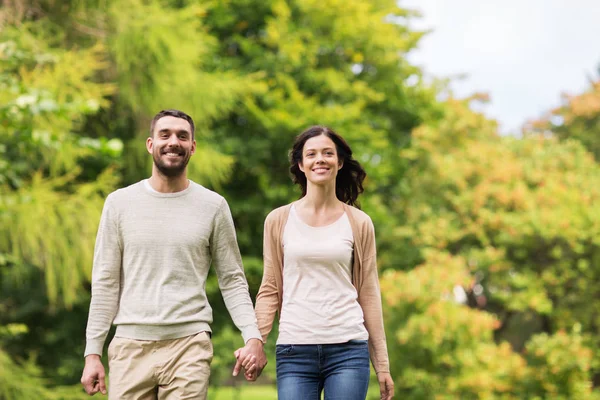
106	280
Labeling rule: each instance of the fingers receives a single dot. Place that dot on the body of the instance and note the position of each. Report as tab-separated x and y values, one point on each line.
383	391
101	383
386	396
249	361
93	376
390	388
251	377
386	389
95	388
252	373
91	388
251	369
251	358
241	361
90	384
237	367
238	363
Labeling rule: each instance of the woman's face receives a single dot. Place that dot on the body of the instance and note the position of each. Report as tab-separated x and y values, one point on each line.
320	162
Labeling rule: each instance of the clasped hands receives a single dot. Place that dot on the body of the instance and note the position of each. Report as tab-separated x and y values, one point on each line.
251	358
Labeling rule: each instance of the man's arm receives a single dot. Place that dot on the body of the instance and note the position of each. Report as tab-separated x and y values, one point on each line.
106	279
227	261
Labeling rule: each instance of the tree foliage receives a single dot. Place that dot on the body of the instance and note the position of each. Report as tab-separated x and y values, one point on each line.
510	222
488	245
577	118
335	63
45	94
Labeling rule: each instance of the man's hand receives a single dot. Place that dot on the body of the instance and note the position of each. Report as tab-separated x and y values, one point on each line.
386	385
93	375
252	358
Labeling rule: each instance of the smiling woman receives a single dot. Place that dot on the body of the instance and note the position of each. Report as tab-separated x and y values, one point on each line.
349	174
320	163
330	319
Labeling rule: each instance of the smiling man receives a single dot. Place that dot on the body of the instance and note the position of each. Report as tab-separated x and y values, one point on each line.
155	244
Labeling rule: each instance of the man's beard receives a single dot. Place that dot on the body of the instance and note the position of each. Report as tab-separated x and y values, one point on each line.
172	170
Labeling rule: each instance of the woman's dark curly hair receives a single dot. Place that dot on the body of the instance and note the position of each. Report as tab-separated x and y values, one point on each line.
349	181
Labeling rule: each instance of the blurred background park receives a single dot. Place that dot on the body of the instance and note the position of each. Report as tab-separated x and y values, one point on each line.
488	226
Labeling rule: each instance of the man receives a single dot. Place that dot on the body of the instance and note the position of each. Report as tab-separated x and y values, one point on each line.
155	243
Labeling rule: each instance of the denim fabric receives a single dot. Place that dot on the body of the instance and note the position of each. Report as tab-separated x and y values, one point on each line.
340	370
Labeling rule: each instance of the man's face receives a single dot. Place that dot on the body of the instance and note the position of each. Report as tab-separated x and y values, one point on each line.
171	145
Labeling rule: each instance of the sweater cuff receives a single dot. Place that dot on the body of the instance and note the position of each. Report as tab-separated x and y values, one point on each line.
93	347
251	333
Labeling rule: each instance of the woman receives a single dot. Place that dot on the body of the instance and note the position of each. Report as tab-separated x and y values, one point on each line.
320	274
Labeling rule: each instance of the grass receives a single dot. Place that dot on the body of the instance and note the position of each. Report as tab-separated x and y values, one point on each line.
244	392
259	392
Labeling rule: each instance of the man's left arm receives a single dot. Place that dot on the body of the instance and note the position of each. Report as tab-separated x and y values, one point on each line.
227	262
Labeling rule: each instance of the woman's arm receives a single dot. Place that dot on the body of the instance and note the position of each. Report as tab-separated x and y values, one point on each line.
369	299
267	300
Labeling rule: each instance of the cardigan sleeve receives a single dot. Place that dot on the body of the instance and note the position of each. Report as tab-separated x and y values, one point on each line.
369	298
267	302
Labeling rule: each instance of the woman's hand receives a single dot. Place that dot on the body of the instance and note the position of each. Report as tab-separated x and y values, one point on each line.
386	385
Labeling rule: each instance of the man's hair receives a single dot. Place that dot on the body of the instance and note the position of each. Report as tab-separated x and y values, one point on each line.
172	113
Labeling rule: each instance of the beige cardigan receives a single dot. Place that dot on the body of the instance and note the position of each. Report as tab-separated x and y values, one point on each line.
364	278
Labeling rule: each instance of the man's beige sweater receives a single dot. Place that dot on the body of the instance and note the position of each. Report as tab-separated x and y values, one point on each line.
151	260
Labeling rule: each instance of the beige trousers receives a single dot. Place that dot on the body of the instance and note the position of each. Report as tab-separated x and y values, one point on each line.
163	369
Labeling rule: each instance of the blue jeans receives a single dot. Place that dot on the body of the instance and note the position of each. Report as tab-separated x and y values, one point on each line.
304	371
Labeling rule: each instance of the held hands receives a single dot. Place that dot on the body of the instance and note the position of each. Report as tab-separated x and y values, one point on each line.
386	385
252	358
93	375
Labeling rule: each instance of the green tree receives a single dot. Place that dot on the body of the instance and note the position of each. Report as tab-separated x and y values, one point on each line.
446	349
44	175
511	222
80	83
578	118
336	63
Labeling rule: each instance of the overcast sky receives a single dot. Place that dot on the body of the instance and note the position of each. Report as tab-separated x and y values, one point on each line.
524	53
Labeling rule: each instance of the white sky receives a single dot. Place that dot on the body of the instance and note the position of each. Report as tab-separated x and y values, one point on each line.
524	53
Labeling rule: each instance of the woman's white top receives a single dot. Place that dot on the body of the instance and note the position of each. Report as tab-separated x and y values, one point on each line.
319	301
